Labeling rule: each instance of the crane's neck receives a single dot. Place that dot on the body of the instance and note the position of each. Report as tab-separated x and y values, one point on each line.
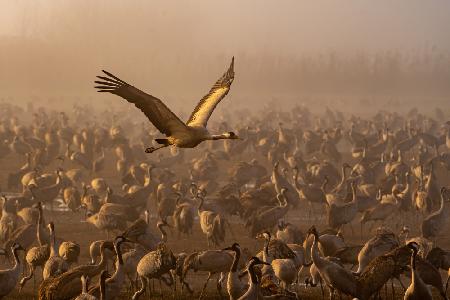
223	136
280	201
299	186
354	197
421	177
406	235
148	178
323	187
285	156
84	284
118	253
40	215
266	257
39	228
177	201
253	291
253	277
53	250
102	288
163	232
16	259
317	260
398	200
414	275
3	208
109	193
413	260
407	187
441	208
103	259
84	192
147	217
343	174
237	256
200	206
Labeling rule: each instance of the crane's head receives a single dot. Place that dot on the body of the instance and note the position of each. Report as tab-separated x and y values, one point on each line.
231	135
405	230
281	224
51	226
163	222
16	247
104	275
106	245
313	231
37	205
256	261
264	235
234	247
281	197
346	166
120	239
413	246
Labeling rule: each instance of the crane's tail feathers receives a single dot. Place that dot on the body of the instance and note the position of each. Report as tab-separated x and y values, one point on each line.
162	141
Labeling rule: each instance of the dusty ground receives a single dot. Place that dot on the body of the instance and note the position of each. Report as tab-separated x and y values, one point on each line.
70	226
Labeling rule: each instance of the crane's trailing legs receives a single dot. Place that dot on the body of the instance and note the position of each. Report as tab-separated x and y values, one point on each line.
163	142
153	149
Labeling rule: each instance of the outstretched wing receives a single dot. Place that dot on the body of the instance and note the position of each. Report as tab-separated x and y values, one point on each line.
206	106
155	110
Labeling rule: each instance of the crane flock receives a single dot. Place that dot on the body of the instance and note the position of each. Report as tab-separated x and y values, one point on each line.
267	212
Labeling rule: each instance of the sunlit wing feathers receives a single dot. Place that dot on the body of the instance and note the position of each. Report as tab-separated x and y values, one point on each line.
206	106
155	110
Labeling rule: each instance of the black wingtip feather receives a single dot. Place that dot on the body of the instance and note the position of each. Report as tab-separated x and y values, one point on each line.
106	83
107	79
105	87
113	76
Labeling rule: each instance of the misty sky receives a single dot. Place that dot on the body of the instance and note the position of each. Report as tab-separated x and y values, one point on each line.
155	40
287	26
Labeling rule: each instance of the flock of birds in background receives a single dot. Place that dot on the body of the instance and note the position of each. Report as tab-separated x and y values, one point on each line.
334	170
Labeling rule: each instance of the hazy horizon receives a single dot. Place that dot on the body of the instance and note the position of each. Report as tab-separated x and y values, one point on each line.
177	49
